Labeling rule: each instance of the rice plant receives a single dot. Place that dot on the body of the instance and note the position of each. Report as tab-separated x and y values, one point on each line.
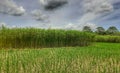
99	58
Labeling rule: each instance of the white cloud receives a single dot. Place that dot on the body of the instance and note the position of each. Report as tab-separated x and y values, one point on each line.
79	12
70	26
76	13
79	27
38	15
43	2
92	26
94	9
9	7
97	6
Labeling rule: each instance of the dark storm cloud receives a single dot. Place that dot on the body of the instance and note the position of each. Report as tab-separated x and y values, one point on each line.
53	4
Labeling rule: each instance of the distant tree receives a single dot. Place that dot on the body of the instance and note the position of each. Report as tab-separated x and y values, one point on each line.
87	29
2	26
100	30
112	30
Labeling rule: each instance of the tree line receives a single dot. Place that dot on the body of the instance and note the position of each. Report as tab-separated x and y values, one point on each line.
112	30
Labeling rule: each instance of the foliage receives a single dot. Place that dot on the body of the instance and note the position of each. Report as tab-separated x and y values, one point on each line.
107	38
87	29
100	30
39	38
112	30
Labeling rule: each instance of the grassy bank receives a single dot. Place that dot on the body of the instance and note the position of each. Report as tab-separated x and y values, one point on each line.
98	58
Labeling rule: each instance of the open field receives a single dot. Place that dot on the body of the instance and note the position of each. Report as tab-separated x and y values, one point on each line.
98	58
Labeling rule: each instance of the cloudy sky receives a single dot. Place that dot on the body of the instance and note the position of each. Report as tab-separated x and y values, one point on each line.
67	14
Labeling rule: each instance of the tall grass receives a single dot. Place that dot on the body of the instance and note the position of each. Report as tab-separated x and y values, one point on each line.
39	38
107	38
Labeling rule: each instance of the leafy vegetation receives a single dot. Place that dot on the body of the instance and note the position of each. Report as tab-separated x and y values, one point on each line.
39	38
100	31
107	38
112	30
87	29
99	58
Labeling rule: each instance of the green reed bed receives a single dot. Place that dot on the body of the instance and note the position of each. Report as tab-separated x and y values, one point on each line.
107	38
39	38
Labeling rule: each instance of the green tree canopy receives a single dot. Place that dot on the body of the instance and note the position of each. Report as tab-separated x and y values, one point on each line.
112	30
100	30
87	29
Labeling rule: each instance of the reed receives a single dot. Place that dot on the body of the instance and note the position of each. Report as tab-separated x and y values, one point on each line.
39	38
108	38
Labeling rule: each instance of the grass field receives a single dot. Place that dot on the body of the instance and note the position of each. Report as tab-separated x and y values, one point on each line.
98	58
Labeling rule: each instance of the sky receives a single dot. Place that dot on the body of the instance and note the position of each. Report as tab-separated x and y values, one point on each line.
65	14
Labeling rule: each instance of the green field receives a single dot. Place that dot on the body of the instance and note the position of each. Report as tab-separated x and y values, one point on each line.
97	58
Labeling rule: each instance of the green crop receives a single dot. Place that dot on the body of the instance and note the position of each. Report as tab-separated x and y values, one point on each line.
107	38
98	58
39	38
